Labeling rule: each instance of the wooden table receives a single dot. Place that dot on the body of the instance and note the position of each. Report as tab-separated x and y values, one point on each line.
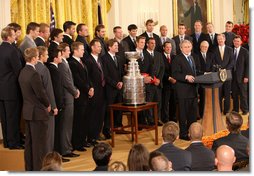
134	119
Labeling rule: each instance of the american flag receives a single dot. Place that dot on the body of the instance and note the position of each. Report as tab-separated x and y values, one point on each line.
99	14
52	18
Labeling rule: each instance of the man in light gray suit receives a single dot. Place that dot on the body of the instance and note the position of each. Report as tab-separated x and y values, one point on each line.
164	38
70	92
32	32
47	83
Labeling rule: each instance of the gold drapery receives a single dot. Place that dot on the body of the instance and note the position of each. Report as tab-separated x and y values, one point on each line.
246	12
78	11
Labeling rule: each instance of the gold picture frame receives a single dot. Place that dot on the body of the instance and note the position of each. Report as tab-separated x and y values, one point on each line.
206	9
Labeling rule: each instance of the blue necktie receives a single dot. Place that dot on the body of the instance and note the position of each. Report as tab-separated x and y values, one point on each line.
190	62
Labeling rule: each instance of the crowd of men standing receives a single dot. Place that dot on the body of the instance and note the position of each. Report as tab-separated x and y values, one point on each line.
65	86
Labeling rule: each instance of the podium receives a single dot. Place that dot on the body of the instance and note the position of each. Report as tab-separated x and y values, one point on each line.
212	120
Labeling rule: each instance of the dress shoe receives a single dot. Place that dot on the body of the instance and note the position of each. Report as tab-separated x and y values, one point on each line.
186	138
17	147
71	155
160	123
101	138
93	142
80	149
87	145
244	113
65	160
107	135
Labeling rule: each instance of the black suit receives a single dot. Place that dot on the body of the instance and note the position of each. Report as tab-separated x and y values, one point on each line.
157	41
36	116
52	47
128	44
226	63
81	81
229	38
67	39
212	43
240	71
236	141
113	74
246	133
177	42
186	92
10	95
202	157
196	43
96	105
39	42
21	57
181	159
86	46
104	48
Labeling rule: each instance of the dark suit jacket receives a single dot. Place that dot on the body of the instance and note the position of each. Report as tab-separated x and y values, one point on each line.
57	83
157	41
52	47
39	42
177	42
168	70
128	44
212	44
195	43
10	67
104	48
81	80
67	39
181	68
86	46
237	141
228	59
202	157
245	133
242	65
181	159
206	65
145	63
21	57
229	38
35	100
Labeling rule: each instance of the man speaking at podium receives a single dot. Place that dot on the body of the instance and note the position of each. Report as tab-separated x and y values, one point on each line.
184	71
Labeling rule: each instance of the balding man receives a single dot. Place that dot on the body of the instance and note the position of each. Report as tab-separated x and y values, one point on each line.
202	157
159	162
225	157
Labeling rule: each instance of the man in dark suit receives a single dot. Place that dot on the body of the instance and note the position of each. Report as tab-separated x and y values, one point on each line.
10	95
223	57
195	14
99	34
202	157
81	78
36	108
225	158
150	34
184	71
97	103
70	92
56	37
180	37
153	90
211	37
229	35
69	31
164	38
198	36
240	76
82	31
181	159
168	109
44	32
129	42
114	71
118	36
234	139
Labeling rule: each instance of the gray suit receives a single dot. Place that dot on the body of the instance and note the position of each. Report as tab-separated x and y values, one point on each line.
47	83
27	43
70	92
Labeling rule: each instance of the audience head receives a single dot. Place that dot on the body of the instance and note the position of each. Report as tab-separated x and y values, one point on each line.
95	46
52	167
32	29
100	31
138	158
186	47
167	47
65	50
196	132
118	32
43	53
17	29
221	39
117	166
198	26
82	30
181	29
52	159
209	27
56	57
164	30
237	41
8	34
132	29
112	46
44	31
225	157
229	26
69	27
151	44
78	49
56	35
159	162
149	25
101	154
170	132
204	45
141	41
31	55
234	122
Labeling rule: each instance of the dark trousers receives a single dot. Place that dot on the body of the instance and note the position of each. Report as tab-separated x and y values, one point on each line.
36	145
10	112
225	93
58	129
187	114
168	105
201	104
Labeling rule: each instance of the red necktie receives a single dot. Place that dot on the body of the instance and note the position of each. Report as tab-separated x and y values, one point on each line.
168	57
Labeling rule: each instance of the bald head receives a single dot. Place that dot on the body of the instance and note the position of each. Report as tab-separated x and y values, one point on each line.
225	156
161	163
196	131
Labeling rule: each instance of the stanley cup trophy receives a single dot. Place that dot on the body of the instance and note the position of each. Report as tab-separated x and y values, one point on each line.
133	82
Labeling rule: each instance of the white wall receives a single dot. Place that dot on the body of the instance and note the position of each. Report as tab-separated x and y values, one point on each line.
5	13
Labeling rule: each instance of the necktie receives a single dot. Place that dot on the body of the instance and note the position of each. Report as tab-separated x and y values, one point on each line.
168	58
197	36
204	56
152	54
141	56
80	61
151	35
190	62
181	38
163	40
235	57
102	75
134	41
221	52
115	60
212	38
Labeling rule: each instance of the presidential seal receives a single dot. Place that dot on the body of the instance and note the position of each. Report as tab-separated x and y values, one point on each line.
223	74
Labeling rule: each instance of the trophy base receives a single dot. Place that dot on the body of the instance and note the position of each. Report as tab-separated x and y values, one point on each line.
133	104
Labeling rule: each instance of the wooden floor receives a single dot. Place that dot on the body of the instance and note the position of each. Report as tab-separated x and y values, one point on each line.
11	160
